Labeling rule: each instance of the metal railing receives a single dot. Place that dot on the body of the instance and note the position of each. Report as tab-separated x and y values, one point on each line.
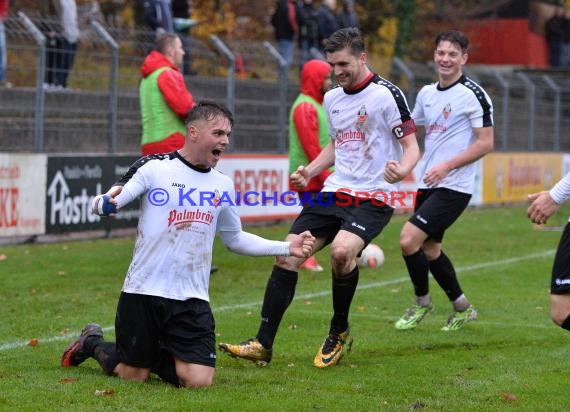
99	113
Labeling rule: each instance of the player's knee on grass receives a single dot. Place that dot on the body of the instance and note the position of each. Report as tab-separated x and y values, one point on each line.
195	376
132	373
560	310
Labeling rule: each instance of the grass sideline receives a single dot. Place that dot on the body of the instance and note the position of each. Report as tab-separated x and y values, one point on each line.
511	358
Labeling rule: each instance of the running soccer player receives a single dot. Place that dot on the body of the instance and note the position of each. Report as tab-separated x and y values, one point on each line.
369	125
457	116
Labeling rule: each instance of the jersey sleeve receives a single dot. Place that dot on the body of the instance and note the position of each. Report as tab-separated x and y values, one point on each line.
481	114
418	113
398	115
136	181
561	191
228	218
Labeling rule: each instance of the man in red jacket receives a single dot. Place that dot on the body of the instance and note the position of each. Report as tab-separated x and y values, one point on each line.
309	132
164	99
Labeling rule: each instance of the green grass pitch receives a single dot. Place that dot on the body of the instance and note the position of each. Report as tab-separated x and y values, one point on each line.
511	358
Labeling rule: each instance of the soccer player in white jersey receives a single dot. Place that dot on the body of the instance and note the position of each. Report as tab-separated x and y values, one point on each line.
370	126
545	204
457	116
164	323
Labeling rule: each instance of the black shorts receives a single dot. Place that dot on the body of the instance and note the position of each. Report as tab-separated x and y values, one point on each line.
437	209
144	324
560	282
330	214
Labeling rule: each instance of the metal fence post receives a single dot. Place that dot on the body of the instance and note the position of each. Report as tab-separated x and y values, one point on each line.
40	74
282	86
113	86
557	110
316	54
411	92
506	94
531	95
231	86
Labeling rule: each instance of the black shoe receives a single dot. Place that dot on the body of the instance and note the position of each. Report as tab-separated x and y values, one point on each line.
74	354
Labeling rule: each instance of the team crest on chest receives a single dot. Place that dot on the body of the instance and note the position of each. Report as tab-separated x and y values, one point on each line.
216	199
447	111
361	118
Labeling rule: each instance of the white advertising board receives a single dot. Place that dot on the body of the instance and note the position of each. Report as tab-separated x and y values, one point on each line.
22	194
262	186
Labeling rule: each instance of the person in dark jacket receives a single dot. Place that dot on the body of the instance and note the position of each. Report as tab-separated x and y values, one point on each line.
347	16
284	22
308	29
158	16
557	32
327	21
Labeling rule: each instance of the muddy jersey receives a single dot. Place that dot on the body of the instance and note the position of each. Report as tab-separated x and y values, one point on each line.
365	125
449	116
181	209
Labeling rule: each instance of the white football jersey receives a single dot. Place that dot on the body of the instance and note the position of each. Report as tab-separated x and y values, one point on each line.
561	191
181	209
449	116
365	125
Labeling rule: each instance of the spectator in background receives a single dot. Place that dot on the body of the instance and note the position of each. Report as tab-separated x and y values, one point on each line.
181	12
347	16
164	99
327	22
87	13
158	16
308	29
3	50
284	22
309	133
557	36
62	42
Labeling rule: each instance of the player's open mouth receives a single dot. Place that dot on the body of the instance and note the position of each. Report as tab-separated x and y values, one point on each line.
217	152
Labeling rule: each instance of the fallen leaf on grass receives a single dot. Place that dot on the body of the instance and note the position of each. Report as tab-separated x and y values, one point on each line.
104	392
292	326
33	342
509	397
3	257
307	302
361	309
67	380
